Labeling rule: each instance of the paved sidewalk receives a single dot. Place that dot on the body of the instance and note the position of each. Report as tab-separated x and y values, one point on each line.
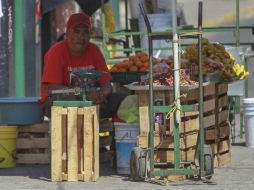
238	175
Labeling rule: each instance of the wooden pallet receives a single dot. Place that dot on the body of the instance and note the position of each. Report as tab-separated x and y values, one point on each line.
33	144
75	144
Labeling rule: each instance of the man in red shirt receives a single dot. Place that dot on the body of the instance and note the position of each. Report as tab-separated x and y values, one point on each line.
78	53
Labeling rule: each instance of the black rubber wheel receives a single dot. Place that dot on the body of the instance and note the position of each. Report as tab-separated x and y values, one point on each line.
137	164
208	161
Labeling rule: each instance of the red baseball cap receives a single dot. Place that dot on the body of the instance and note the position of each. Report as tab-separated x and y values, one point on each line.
77	19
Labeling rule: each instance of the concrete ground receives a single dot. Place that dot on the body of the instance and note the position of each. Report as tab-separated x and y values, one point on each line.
237	175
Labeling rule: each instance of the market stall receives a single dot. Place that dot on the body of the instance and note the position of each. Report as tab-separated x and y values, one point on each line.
219	69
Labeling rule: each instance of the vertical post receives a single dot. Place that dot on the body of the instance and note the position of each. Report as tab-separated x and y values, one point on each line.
19	49
201	105
177	115
237	20
246	82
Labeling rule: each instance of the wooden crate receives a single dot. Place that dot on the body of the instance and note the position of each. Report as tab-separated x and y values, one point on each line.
33	144
75	144
190	120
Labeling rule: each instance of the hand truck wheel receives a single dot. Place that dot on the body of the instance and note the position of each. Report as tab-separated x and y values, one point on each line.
208	161
138	164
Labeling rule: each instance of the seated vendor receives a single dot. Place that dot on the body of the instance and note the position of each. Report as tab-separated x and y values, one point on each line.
76	52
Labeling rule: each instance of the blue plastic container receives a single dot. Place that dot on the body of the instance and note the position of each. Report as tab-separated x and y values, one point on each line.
123	154
20	111
125	137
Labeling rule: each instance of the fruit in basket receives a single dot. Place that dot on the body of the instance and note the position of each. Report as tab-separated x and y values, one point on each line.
167	79
215	58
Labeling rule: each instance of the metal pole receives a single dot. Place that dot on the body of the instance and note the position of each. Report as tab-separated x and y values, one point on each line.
201	105
19	49
177	115
237	20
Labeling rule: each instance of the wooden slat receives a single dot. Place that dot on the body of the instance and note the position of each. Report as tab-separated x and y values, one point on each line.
168	155
209	121
35	128
224	159
222	88
222	146
72	145
223	101
88	144
215	161
33	158
80	119
220	132
64	143
187	126
209	90
96	143
28	143
222	116
191	124
193	95
56	148
143	114
189	140
225	130
209	105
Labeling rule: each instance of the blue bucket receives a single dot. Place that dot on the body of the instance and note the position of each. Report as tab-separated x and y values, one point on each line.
125	137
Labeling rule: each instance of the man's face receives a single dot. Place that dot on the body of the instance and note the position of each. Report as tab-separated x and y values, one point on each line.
78	38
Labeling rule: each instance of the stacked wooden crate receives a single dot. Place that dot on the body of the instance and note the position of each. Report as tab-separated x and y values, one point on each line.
215	112
33	144
74	143
217	131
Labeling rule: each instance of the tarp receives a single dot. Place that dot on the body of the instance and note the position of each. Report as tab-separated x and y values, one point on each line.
88	6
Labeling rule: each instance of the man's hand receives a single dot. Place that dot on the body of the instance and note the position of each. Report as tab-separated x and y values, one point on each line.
97	97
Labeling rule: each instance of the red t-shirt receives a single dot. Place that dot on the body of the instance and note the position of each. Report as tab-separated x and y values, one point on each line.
59	62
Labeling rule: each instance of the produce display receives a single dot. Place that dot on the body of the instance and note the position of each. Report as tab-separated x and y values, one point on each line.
135	63
215	58
168	79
